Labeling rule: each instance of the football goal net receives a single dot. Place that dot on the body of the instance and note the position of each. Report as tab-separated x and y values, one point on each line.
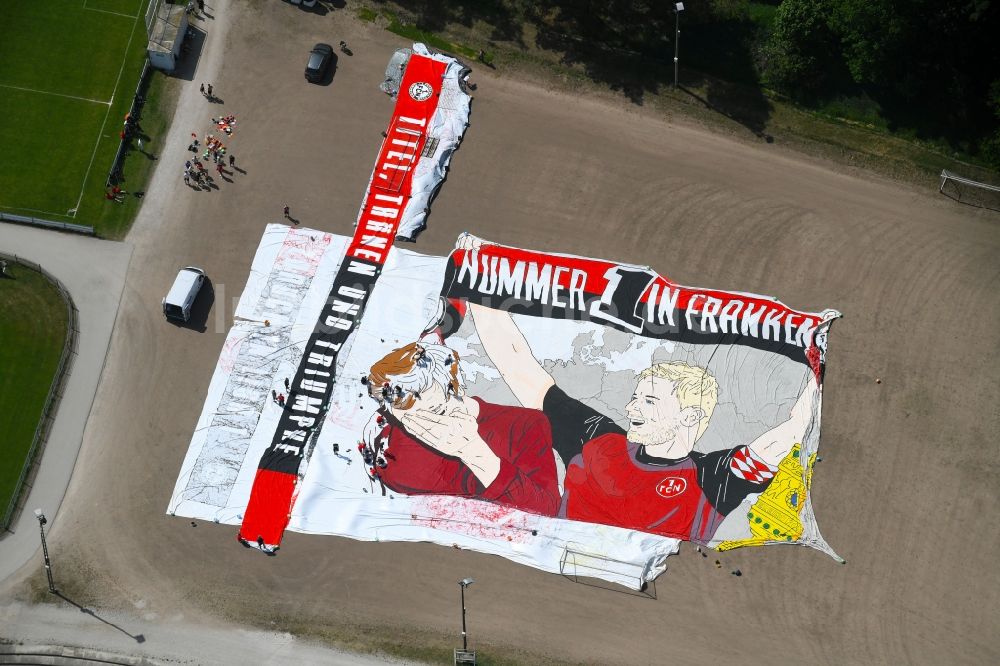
579	564
971	192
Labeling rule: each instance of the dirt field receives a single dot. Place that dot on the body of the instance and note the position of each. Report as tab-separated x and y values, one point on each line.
910	472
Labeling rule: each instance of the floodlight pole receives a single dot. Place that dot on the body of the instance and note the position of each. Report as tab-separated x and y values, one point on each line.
45	549
464	583
465	636
678	8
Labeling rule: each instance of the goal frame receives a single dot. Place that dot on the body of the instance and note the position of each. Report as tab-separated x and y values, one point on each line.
969	192
576	564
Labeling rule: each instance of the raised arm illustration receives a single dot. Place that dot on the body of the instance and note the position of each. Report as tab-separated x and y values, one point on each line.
774	445
505	345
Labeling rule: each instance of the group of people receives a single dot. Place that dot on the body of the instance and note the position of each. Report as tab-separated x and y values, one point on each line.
261	545
115	194
374	455
194	171
130	127
225	124
215	150
212	149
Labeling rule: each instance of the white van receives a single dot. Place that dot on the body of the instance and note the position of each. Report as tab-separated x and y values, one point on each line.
180	298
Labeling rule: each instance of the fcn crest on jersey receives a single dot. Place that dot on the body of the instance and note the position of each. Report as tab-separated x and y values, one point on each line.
672	486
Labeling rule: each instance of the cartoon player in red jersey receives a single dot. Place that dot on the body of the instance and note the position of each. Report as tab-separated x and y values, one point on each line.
428	437
649	477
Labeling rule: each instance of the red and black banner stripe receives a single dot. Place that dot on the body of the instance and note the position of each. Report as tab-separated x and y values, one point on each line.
633	299
269	508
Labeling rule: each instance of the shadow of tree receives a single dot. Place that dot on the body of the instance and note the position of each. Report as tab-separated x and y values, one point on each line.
625	72
504	20
625	45
742	104
936	91
619	44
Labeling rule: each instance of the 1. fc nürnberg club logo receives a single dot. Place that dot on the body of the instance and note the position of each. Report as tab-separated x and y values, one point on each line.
672	486
421	91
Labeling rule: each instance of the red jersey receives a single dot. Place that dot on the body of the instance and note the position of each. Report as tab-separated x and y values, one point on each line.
520	437
612	481
606	484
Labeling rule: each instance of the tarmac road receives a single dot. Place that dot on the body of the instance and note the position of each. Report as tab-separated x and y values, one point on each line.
909	480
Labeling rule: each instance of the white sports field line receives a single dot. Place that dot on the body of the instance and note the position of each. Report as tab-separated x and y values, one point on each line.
97	143
46	92
105	11
35	210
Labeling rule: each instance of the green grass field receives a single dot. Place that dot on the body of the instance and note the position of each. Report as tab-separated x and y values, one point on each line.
32	331
68	71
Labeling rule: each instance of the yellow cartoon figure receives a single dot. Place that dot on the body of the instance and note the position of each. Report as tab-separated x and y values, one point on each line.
775	514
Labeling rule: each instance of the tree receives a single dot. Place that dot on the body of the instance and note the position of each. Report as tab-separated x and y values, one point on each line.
797	57
872	33
990	147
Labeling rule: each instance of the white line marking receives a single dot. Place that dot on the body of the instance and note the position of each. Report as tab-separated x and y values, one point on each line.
34	210
100	134
46	92
105	11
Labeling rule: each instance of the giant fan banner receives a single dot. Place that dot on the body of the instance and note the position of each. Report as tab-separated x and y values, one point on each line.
576	415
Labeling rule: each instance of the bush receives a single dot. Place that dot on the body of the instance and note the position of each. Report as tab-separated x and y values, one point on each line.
989	150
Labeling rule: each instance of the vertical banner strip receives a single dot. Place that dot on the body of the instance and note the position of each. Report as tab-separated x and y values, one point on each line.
269	507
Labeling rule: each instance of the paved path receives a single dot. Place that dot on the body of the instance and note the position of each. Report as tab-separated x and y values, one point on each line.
107	635
94	273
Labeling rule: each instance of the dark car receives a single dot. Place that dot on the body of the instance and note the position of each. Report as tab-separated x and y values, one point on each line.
319	61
